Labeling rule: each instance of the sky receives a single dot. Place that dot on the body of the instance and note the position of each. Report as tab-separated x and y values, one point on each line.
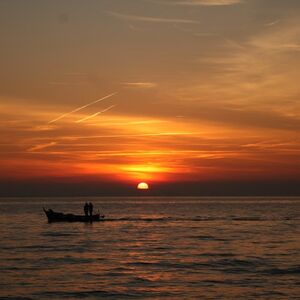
97	96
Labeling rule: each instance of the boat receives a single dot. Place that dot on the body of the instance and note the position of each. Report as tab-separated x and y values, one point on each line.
61	217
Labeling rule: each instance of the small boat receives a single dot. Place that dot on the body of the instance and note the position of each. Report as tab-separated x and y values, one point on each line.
61	217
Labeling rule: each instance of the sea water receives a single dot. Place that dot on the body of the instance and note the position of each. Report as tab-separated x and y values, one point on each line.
152	248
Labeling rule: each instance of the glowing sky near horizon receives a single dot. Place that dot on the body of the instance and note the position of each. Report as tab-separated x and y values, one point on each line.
206	89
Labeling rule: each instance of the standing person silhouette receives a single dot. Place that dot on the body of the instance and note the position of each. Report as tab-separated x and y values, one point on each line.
86	209
91	208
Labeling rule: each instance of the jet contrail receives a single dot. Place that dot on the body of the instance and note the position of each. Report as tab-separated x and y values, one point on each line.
82	107
42	146
96	114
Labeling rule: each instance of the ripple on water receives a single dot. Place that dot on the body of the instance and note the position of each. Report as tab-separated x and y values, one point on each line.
97	294
179	250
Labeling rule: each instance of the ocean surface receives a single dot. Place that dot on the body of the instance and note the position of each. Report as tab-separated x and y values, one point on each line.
152	248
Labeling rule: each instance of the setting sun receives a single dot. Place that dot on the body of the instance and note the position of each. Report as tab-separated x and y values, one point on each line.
143	186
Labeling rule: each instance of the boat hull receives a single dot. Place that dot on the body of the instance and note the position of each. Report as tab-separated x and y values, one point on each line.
61	217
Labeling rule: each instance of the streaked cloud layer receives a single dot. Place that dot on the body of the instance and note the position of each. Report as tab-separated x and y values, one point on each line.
207	90
145	85
202	2
140	18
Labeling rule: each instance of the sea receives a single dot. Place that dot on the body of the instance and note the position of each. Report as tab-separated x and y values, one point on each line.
152	248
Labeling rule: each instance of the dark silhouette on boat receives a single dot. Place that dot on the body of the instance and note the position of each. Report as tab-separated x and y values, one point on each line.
61	217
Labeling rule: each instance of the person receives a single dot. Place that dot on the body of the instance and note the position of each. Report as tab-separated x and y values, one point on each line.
91	207
86	209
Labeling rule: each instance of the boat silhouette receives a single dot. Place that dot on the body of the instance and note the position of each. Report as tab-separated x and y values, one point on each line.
62	217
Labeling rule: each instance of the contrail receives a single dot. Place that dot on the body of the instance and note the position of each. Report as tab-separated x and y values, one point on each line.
96	114
42	146
82	107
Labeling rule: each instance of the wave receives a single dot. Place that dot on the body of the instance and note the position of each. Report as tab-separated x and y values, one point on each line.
195	219
66	260
85	294
58	234
225	265
107	294
15	298
286	271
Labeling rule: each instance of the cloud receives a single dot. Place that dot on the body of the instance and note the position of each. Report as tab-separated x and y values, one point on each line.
256	73
156	134
41	147
143	85
60	83
283	38
209	2
273	23
150	19
202	2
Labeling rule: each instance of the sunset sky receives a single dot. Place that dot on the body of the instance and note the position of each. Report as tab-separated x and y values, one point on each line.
190	92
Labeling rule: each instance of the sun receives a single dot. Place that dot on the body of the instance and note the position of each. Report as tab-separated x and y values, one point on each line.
143	186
